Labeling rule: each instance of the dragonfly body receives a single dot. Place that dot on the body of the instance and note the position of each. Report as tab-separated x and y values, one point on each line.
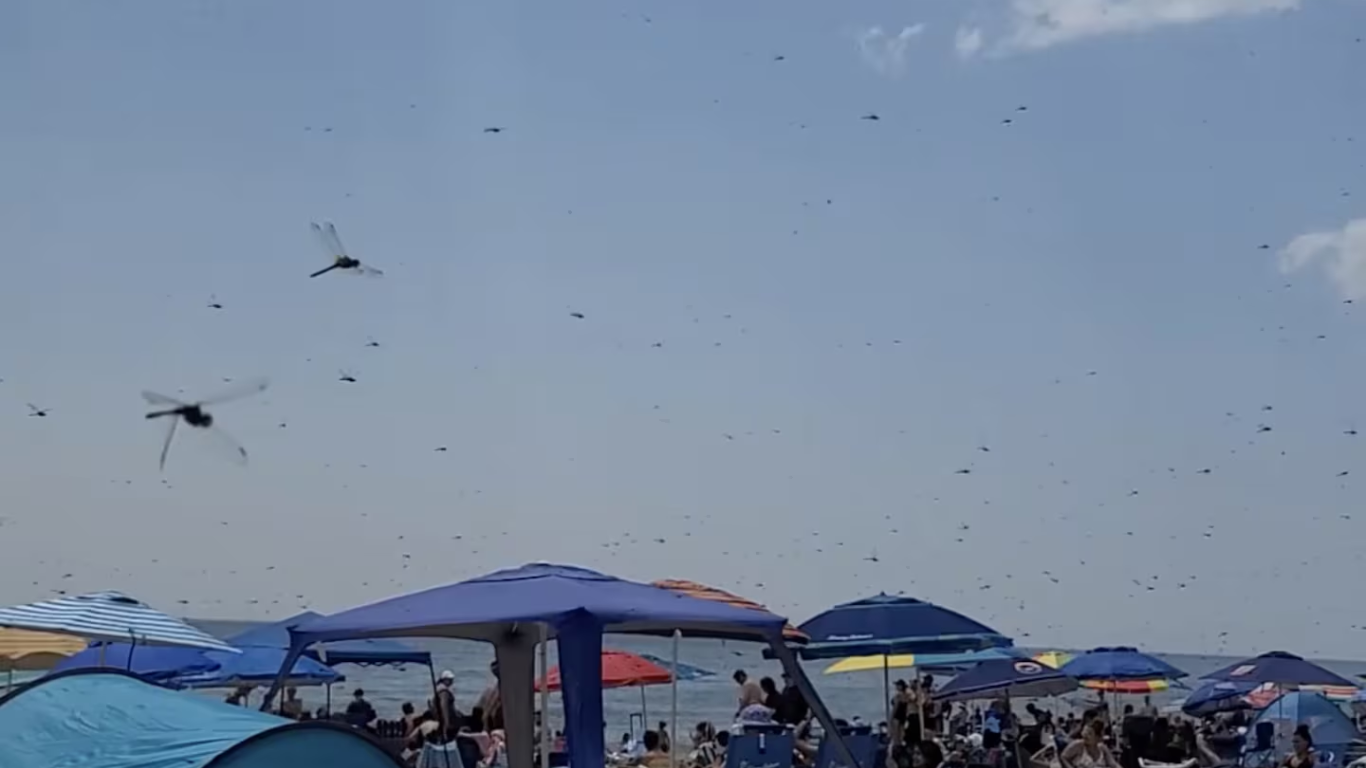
195	415
331	242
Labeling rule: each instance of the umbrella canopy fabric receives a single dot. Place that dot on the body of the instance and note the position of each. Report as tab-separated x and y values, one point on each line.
157	664
366	652
1013	678
1127	686
619	670
1054	659
1332	731
1281	668
892	624
111	616
24	651
481	609
685	671
1120	663
1217	696
693	589
195	668
922	660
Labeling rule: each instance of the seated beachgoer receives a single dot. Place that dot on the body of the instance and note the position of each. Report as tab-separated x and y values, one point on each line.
654	756
704	749
1090	750
1302	749
292	706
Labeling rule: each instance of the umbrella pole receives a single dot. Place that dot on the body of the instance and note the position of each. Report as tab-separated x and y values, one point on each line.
545	695
886	694
644	715
673	707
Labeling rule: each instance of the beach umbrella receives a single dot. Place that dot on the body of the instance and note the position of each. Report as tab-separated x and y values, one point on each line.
1054	659
1217	696
111	616
892	624
703	592
1120	663
1007	678
621	670
25	650
948	661
1127	686
684	671
1281	668
157	664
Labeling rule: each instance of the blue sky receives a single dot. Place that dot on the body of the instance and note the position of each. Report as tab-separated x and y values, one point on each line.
848	309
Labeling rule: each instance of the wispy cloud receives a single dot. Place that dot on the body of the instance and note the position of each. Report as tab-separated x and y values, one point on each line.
886	53
967	41
1341	252
1036	24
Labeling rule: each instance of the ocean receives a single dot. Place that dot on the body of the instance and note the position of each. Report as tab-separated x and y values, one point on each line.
711	698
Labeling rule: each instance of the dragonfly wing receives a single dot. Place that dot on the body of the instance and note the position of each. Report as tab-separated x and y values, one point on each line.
238	390
365	270
155	399
170	435
320	234
224	444
333	240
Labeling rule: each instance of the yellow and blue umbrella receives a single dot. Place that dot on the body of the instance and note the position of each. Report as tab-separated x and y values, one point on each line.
922	660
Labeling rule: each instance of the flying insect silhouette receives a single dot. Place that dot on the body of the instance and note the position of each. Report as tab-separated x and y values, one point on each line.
194	415
327	235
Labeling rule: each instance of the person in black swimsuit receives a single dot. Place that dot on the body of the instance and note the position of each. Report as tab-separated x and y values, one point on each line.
1302	745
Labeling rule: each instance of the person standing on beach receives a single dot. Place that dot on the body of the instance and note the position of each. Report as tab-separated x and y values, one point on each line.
750	692
491	701
792	707
448	717
292	707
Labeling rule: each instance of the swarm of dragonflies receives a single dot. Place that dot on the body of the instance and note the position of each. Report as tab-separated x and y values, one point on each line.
194	415
327	235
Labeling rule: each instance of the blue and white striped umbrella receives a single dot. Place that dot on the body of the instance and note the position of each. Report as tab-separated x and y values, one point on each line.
108	616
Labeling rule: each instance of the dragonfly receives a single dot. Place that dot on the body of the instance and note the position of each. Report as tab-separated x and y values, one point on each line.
34	410
194	415
327	235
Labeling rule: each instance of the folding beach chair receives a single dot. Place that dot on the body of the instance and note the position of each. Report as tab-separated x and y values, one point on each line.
760	750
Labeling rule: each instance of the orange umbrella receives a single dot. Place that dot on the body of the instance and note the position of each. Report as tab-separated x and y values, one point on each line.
704	592
619	670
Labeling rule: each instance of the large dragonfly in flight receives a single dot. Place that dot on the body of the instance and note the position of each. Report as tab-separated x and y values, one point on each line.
194	415
327	235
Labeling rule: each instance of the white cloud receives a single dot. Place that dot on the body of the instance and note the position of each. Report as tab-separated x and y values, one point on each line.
967	41
1037	24
886	53
1342	252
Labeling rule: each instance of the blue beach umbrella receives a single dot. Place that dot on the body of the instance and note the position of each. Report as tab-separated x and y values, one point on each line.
1120	663
892	624
1218	696
1280	668
1010	678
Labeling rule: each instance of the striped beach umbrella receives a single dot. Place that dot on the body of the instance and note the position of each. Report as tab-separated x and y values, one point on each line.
25	651
693	589
1127	686
108	616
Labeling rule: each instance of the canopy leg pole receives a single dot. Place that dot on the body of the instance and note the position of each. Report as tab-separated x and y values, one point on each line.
673	713
644	715
790	664
886	694
545	695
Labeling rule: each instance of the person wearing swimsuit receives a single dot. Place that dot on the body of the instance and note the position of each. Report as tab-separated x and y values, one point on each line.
1089	751
1302	754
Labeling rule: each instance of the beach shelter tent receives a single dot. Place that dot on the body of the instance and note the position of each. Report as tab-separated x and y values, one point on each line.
514	608
111	616
1332	730
110	719
1007	678
257	666
683	671
1281	668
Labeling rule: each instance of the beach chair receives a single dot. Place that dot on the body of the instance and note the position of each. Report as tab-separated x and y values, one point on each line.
862	742
760	750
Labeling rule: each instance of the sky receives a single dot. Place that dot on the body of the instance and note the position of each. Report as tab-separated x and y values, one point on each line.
1088	250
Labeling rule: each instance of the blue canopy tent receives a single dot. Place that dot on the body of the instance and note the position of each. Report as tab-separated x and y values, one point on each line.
1120	663
514	608
1332	730
195	668
1281	668
111	719
1007	678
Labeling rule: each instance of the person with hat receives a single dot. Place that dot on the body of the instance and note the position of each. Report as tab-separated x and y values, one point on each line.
447	715
359	713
